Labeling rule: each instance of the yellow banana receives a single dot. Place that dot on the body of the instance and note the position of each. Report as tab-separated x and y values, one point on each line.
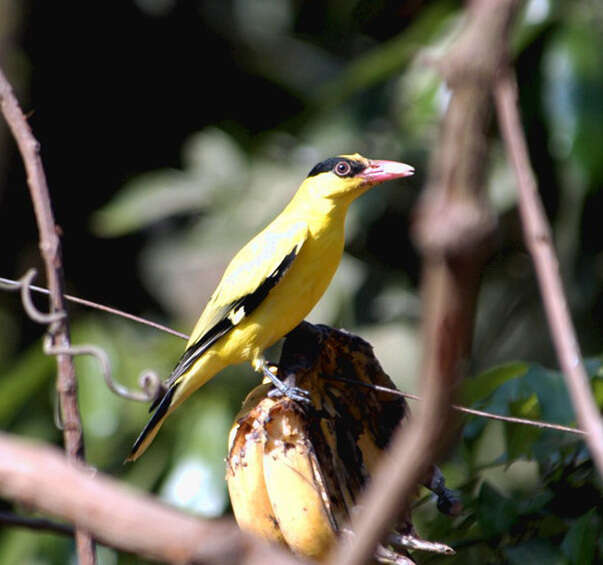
295	484
274	478
245	470
295	473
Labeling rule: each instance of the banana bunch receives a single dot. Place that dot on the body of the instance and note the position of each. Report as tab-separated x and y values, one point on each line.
295	472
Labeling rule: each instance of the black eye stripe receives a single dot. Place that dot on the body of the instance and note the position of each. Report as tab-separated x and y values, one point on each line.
328	165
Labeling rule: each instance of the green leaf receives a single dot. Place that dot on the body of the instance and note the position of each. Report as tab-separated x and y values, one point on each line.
212	161
553	397
480	387
595	371
519	437
573	87
534	551
535	503
496	513
579	544
593	366
32	370
149	198
388	58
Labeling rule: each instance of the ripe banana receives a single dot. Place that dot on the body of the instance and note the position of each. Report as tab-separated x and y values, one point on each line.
295	473
245	469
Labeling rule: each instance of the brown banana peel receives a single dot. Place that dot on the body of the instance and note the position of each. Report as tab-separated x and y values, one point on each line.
295	472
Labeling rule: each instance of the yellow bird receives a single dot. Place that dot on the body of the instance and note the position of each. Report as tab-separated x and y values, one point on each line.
272	283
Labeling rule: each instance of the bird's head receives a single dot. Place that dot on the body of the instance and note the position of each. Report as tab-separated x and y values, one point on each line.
346	177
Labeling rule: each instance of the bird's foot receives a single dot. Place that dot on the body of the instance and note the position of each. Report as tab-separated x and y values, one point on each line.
286	388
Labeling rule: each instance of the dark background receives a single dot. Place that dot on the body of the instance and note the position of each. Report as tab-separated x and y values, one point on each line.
113	91
116	90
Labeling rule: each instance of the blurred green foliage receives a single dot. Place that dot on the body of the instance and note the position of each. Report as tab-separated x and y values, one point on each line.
359	76
530	495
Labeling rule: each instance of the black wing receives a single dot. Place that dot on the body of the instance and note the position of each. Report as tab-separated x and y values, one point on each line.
231	315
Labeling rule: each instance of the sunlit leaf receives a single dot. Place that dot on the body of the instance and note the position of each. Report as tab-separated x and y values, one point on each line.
520	438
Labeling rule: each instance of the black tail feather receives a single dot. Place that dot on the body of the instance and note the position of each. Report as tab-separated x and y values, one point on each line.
159	396
162	405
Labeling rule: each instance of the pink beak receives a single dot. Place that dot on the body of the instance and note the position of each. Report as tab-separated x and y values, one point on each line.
380	171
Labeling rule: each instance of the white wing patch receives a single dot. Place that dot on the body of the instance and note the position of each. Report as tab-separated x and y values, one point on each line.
237	315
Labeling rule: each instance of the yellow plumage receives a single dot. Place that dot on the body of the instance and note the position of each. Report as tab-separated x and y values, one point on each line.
274	281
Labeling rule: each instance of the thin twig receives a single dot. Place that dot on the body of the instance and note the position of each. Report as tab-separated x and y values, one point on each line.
30	309
102	307
50	248
147	381
465	410
539	241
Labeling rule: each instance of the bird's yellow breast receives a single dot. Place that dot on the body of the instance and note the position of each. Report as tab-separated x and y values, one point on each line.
292	299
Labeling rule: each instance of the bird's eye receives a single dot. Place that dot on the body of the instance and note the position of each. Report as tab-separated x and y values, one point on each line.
342	168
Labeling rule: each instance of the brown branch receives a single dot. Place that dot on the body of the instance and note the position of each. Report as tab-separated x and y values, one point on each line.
37	475
539	241
51	253
452	228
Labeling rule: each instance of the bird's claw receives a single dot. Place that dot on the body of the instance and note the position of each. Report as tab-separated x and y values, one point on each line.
292	392
284	388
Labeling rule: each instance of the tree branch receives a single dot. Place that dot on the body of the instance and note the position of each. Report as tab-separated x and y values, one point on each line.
36	475
539	241
50	248
452	229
